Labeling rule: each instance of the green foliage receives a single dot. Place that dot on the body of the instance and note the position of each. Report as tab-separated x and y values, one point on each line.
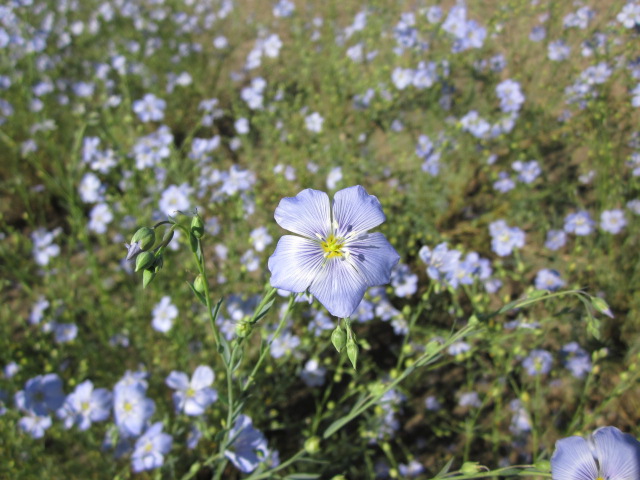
438	375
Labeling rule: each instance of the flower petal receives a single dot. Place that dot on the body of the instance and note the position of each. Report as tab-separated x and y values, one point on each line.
295	263
202	377
356	211
374	257
573	460
339	287
177	380
618	453
308	213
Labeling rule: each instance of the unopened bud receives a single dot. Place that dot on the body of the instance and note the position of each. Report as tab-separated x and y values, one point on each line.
147	276
145	237
168	236
144	260
339	338
352	353
600	305
243	329
312	445
469	468
197	226
199	284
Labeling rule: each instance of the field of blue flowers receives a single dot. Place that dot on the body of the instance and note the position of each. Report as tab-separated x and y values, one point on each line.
288	239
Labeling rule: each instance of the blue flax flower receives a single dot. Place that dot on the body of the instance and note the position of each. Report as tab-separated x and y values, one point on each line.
151	448
248	447
333	255
607	454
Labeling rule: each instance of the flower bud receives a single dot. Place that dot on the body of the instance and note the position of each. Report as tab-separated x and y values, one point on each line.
197	226
167	237
199	284
339	338
145	237
144	260
469	468
147	276
312	445
352	352
243	329
600	305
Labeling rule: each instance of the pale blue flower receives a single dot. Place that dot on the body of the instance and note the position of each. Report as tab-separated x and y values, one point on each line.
538	362
41	394
547	279
149	108
576	359
612	221
248	446
132	409
313	373
193	396
151	448
579	223
333	255
34	425
86	405
607	453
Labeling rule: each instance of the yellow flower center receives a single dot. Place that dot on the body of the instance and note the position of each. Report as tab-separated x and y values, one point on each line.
332	246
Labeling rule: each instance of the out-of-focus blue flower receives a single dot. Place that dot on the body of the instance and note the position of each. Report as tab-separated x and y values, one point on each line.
248	446
64	332
473	123
164	313
313	122
402	77
521	421
469	399
193	396
286	343
151	448
284	8
193	437
510	95
576	359
432	404
35	425
403	281
555	239
41	395
132	409
527	171
606	454
629	16
558	51
333	255
547	279
413	469
504	183
612	221
86	405
538	362
579	223
149	108
440	260
313	373
504	238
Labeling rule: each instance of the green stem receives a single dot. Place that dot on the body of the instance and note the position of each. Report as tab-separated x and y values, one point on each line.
263	354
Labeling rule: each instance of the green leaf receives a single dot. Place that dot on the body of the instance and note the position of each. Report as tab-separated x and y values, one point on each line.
263	311
445	469
302	476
